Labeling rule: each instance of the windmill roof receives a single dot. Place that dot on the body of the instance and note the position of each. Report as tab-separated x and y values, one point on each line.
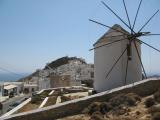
111	32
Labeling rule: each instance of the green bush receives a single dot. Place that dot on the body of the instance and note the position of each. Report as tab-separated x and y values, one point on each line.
157	96
149	102
118	104
153	109
45	93
93	107
97	116
123	99
134	96
156	116
36	99
65	98
105	107
120	110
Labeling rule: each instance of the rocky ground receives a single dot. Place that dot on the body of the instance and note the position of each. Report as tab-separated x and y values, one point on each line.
122	107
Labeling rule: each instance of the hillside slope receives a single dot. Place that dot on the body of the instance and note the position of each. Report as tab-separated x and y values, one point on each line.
53	65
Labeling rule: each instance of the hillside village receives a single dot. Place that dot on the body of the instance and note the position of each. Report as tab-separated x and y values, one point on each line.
60	73
63	72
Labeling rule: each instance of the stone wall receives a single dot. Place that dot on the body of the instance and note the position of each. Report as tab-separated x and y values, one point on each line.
60	81
142	88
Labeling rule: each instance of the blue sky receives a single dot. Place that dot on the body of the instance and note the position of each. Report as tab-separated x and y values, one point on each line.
34	32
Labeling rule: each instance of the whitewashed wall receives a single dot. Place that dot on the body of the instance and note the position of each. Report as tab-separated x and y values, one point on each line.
105	57
44	83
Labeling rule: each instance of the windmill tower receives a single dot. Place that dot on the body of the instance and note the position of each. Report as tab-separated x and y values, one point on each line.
118	53
106	56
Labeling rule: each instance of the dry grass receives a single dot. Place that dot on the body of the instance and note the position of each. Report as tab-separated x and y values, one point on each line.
125	110
28	107
76	117
45	93
51	101
65	98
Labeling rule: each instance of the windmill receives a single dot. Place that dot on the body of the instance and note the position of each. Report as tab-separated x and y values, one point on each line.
131	46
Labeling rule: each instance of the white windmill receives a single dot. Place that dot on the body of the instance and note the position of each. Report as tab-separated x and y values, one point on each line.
117	53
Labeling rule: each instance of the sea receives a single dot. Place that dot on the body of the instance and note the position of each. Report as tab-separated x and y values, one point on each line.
4	77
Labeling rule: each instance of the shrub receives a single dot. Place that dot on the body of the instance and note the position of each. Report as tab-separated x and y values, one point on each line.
134	96
105	107
127	99
45	93
57	93
36	99
130	101
65	98
154	109
120	110
97	107
51	101
157	96
118	100
97	116
117	105
149	102
156	116
93	107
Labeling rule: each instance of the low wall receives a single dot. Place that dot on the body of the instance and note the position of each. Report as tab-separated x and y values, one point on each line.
17	108
44	102
142	88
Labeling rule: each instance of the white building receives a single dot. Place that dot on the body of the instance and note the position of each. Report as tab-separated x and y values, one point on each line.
106	56
11	87
77	69
29	88
43	83
1	89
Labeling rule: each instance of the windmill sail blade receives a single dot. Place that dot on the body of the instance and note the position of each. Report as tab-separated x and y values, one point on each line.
107	26
116	63
151	34
148	20
148	45
114	36
127	15
108	43
140	59
116	15
137	14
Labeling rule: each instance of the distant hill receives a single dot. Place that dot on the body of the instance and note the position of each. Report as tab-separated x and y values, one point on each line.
154	76
29	77
54	64
62	61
